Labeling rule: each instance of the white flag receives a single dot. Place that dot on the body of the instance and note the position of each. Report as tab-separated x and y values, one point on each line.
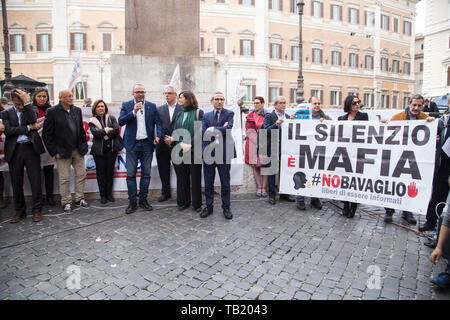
240	90
175	82
76	75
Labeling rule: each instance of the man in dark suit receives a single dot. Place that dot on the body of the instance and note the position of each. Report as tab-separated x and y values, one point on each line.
167	114
64	136
430	106
273	121
140	118
216	127
23	147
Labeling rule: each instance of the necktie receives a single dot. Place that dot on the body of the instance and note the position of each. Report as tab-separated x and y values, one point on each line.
216	119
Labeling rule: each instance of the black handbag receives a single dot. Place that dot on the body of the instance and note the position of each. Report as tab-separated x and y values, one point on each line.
118	143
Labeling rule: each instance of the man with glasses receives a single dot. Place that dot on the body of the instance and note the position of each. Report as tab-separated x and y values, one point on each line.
216	127
316	114
139	139
412	112
272	122
64	136
23	147
167	114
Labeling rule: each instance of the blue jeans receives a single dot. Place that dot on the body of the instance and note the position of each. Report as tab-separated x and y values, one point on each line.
144	153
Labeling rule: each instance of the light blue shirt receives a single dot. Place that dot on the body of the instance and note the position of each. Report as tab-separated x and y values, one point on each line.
22	138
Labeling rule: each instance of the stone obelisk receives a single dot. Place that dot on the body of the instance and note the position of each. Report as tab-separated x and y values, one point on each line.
158	36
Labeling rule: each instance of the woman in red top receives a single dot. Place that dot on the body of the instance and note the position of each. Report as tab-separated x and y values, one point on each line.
254	121
41	100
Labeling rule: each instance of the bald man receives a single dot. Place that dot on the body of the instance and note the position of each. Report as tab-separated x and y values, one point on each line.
64	136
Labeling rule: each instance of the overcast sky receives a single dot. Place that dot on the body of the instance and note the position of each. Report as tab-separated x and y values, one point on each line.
420	18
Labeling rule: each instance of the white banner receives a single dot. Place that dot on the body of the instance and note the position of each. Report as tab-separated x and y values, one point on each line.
120	184
388	165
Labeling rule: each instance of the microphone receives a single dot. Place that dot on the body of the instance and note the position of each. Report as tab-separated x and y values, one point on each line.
141	101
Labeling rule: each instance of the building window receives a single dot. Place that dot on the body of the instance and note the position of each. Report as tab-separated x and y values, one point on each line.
251	93
368	62
406	68
78	41
395	25
335	98
395	101
336	12
336	58
273	93
295	53
293	96
368	99
79	91
369	18
247	2
17	43
421	67
353	60
246	47
448	77
276	5
275	51
294	7
220	1
384	22
202	44
43	42
317	9
384	64
317	56
107	42
395	66
220	45
405	100
353	16
407	28
384	100
317	93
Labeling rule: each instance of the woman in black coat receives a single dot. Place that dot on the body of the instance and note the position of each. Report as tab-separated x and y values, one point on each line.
106	144
352	105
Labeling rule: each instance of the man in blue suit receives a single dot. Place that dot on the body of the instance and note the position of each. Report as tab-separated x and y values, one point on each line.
140	118
218	151
272	122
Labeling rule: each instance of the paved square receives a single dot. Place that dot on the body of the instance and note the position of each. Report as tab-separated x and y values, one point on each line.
265	252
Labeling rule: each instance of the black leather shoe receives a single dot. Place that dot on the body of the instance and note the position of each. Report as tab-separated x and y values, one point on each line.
227	213
346	209
50	201
287	197
315	203
427	226
110	198
272	200
132	207
352	211
145	205
408	216
163	198
301	205
103	200
206	212
388	216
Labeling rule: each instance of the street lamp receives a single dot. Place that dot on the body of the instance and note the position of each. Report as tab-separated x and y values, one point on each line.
101	64
8	86
300	90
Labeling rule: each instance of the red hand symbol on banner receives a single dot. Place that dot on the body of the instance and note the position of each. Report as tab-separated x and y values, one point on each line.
412	190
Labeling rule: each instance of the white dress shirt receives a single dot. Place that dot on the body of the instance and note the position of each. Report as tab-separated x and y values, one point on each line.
141	132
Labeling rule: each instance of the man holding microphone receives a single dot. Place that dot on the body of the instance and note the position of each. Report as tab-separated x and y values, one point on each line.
139	139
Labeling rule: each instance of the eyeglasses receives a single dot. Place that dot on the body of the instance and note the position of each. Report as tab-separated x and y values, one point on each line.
170	93
139	92
354	103
219	99
257	102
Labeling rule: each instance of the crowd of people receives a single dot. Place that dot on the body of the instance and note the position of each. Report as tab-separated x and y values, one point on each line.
172	130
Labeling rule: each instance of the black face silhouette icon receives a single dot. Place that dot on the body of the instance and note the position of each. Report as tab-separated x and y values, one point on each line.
299	180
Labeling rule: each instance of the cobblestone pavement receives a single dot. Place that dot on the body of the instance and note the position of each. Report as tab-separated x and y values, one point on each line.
265	252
